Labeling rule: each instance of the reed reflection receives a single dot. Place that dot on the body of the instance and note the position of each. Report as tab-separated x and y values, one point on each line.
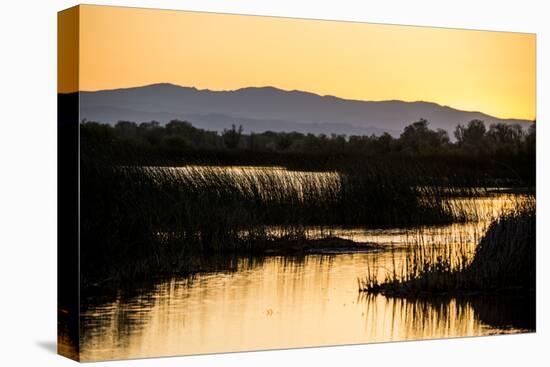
276	302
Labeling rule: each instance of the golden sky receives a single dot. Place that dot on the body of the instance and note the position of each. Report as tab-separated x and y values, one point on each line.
491	72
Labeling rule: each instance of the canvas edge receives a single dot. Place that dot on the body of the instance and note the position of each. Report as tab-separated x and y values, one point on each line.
68	193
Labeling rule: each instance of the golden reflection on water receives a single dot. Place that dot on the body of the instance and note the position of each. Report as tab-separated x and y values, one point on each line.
285	302
281	303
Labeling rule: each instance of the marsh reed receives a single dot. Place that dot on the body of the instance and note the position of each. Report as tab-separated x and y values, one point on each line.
138	220
502	260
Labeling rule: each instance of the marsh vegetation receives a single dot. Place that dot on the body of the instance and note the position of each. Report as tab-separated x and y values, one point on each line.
502	261
157	197
428	229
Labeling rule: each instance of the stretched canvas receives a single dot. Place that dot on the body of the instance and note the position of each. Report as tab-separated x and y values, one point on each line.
236	183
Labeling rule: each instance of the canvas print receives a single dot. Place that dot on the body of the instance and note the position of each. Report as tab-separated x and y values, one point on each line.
236	183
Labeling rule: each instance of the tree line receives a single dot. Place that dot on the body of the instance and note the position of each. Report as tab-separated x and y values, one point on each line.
473	138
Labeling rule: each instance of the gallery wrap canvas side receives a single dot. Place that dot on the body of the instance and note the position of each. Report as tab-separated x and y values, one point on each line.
68	277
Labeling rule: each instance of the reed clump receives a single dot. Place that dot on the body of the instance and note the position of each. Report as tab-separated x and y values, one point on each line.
503	261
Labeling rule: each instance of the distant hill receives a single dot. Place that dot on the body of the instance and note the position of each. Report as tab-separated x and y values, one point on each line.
268	108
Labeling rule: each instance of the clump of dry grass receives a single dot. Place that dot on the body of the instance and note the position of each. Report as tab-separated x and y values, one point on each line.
503	260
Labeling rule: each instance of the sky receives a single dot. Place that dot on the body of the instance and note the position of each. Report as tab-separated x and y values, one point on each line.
491	72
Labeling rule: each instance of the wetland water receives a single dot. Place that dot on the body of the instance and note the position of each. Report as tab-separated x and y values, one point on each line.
289	301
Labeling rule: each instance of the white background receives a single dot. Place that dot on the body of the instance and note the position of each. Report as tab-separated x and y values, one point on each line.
28	182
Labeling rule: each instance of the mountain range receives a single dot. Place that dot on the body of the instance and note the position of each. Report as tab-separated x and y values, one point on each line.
260	109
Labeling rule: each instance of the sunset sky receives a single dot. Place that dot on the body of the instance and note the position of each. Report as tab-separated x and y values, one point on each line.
492	72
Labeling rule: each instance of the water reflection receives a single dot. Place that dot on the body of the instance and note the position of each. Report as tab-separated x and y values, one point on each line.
243	303
279	303
446	317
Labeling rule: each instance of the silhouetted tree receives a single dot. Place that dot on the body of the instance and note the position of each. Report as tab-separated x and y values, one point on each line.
471	135
505	138
418	138
177	127
96	133
232	137
152	132
126	129
283	141
531	139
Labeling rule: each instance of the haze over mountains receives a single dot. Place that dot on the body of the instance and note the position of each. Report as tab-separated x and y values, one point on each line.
268	108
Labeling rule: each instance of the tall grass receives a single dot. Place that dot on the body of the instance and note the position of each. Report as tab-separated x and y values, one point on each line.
137	220
504	260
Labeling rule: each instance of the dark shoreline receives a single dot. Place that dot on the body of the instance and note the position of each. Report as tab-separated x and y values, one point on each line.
293	248
322	246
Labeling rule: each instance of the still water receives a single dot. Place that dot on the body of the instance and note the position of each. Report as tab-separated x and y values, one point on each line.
288	302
